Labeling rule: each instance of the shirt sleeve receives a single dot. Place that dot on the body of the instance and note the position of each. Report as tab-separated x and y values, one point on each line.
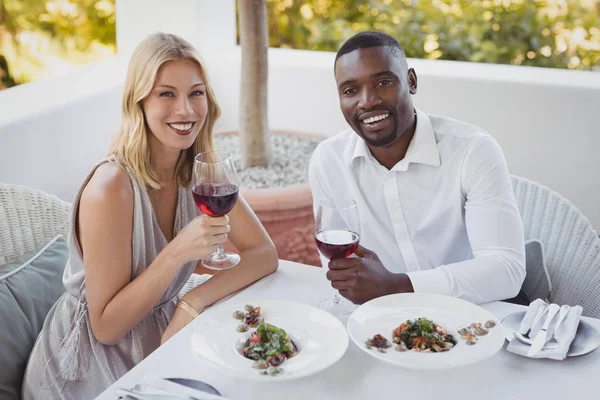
495	231
318	188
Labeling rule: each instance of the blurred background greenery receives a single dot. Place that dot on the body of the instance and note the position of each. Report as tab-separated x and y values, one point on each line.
43	38
544	33
40	38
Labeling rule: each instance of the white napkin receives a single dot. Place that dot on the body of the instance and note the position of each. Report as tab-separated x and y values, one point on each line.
564	335
193	281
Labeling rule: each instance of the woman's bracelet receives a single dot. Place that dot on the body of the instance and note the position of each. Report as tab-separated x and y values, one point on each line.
187	308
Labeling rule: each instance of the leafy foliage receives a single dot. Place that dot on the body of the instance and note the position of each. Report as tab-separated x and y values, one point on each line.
545	33
36	35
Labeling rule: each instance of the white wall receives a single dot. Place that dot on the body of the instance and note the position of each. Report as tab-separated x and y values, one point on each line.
547	121
53	150
207	24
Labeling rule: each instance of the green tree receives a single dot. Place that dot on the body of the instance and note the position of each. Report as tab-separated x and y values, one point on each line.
545	33
35	34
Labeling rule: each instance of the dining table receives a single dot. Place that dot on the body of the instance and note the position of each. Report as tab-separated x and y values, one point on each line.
357	375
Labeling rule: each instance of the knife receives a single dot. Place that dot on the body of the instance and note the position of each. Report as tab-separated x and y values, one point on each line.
178	389
540	338
146	396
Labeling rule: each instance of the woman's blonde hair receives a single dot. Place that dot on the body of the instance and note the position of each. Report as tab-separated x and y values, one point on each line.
130	145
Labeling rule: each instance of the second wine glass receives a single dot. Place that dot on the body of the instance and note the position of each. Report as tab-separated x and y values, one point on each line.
215	191
337	233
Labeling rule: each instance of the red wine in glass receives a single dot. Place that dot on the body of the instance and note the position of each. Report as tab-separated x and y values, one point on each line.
337	243
215	199
215	191
337	233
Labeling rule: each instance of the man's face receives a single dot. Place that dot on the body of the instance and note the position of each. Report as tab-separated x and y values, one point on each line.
375	87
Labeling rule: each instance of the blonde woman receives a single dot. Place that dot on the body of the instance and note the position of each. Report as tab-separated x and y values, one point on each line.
137	234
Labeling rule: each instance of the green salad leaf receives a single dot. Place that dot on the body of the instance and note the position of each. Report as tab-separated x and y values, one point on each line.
273	342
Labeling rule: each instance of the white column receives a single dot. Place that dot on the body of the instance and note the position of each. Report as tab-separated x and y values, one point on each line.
207	24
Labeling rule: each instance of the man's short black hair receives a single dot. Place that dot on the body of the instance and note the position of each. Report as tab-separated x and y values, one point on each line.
371	39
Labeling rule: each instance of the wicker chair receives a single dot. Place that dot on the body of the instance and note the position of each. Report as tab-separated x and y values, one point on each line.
29	219
571	245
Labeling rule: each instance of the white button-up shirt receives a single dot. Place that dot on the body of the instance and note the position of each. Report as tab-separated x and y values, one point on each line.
445	214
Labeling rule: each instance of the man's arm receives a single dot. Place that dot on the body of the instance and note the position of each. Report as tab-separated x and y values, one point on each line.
495	232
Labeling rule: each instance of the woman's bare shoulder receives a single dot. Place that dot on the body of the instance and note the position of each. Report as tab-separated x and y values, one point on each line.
109	186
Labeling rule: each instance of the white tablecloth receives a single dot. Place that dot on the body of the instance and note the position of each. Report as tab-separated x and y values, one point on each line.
359	376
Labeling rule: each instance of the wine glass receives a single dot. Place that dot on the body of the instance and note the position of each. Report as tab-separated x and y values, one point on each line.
337	234
215	191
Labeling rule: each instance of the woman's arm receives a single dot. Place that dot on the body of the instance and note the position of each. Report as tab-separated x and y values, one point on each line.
258	259
105	224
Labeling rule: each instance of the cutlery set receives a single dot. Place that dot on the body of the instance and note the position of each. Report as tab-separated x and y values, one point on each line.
544	339
167	390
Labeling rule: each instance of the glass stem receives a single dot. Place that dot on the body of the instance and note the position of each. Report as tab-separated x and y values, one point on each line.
337	298
219	254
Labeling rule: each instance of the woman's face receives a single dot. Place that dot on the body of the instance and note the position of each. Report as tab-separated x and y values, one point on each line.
176	108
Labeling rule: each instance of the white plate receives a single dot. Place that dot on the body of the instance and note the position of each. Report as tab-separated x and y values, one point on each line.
321	338
587	338
384	314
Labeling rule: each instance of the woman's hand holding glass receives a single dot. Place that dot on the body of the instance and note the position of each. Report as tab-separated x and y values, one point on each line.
201	237
216	191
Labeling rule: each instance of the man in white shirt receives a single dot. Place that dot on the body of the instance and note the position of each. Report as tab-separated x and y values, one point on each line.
437	209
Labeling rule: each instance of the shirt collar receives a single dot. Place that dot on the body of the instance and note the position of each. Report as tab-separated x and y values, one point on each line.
421	150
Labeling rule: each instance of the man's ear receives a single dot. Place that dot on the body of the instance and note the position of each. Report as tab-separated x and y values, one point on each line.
412	81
